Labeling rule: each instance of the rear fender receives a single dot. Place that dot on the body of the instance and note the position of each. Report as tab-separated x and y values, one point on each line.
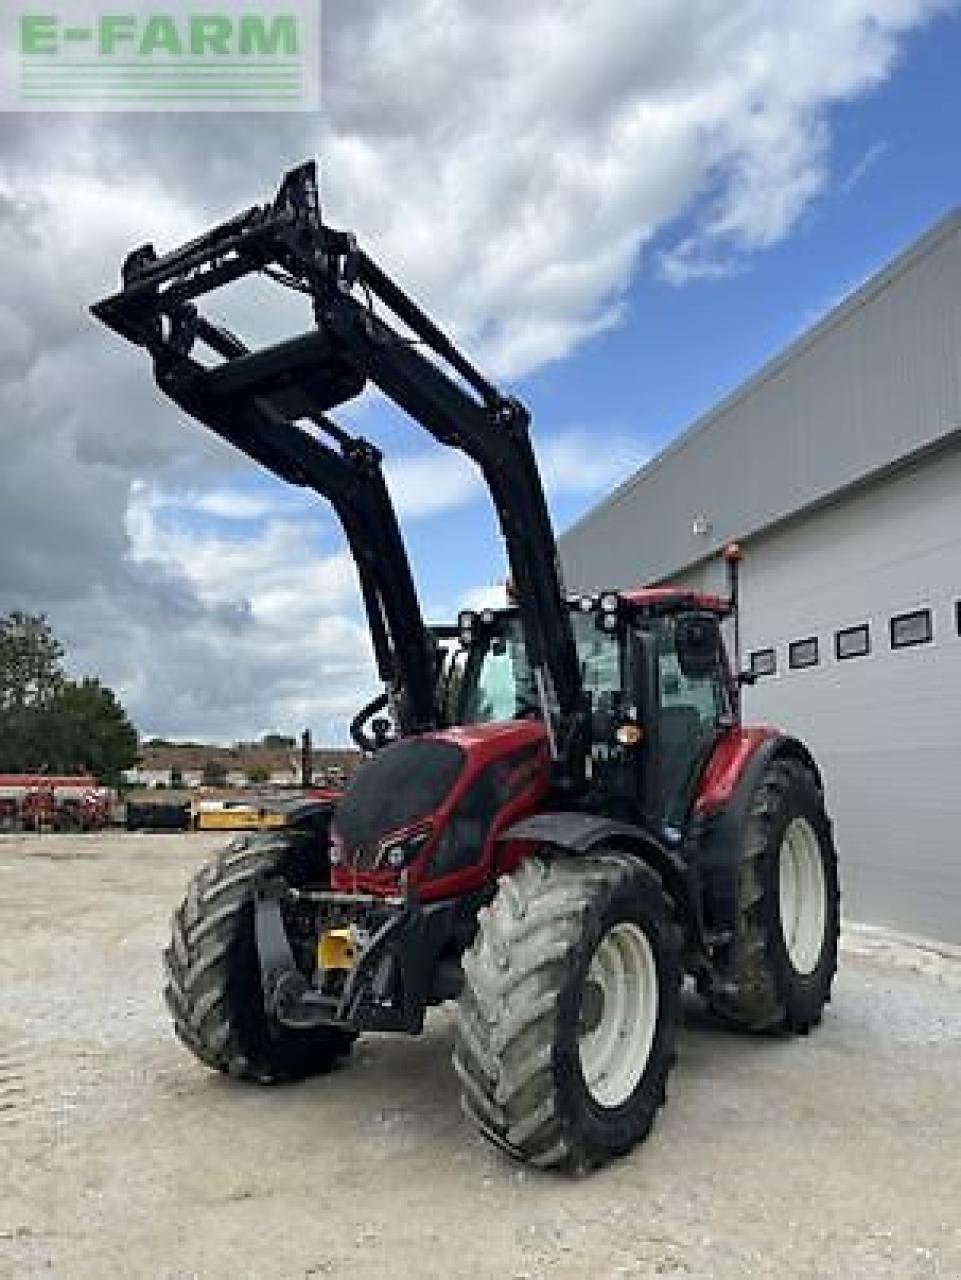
586	833
733	757
716	832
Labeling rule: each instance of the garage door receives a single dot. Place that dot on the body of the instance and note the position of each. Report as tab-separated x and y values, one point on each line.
852	618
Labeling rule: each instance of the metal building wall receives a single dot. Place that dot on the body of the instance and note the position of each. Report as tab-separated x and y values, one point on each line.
885	728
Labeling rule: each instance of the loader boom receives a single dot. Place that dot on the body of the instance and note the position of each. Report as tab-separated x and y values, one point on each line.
256	411
254	395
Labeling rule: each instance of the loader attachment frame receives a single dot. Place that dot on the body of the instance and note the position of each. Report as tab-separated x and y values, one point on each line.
256	398
256	402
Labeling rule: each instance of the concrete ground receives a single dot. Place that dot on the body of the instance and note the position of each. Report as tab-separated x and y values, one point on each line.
837	1155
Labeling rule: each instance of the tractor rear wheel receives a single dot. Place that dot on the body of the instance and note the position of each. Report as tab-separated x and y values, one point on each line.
213	988
786	939
566	1024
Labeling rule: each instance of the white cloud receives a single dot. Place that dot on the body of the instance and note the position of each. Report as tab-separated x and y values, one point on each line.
279	573
491	595
571	462
277	630
425	484
515	162
863	166
228	504
233	504
581	462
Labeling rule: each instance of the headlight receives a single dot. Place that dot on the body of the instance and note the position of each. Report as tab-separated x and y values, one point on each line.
465	625
395	854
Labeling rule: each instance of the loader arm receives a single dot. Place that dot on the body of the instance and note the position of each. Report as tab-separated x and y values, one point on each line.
352	481
351	478
256	398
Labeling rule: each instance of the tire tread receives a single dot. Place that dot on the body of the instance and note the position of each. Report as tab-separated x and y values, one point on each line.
764	998
504	1050
212	981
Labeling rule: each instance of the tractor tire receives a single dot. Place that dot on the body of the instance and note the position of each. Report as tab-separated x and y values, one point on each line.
567	1021
786	937
213	988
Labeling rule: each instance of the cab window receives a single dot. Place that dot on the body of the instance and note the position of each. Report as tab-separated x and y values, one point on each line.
690	710
599	655
499	684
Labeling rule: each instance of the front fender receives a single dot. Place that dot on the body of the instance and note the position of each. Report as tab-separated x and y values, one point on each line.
585	833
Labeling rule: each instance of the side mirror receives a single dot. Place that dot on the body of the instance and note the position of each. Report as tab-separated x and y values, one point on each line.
381	729
698	640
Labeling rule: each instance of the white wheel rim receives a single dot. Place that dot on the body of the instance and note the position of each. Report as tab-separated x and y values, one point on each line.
803	895
615	1048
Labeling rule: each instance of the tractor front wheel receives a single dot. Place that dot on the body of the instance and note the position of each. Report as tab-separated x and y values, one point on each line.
566	1025
213	988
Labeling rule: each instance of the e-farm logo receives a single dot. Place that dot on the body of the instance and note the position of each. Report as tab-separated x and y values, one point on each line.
187	56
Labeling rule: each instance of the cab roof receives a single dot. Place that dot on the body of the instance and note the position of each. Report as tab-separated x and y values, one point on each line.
648	602
656	600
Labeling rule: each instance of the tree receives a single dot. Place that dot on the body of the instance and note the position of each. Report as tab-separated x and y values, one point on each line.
49	724
85	727
214	774
30	654
258	774
277	741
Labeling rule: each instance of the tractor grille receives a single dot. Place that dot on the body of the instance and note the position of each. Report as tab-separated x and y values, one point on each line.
465	837
401	784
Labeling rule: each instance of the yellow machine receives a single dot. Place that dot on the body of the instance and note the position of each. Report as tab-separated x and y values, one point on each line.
225	815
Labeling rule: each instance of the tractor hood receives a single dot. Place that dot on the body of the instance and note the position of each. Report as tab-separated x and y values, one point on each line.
431	805
489	741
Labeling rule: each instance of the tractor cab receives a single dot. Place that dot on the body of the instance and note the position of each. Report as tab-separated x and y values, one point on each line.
654	670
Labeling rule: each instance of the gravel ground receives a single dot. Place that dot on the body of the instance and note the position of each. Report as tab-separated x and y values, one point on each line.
836	1155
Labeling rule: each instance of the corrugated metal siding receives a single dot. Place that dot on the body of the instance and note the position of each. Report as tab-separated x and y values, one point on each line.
875	382
885	728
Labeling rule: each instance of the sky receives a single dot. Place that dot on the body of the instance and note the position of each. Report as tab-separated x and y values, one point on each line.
620	208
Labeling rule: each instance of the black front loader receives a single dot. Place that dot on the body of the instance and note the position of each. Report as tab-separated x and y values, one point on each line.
256	399
256	402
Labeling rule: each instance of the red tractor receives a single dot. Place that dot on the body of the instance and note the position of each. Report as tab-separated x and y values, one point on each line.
570	816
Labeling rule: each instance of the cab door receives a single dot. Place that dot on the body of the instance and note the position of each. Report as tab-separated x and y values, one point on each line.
693	707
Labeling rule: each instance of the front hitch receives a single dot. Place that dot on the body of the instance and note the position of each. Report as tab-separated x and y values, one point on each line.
386	990
284	986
